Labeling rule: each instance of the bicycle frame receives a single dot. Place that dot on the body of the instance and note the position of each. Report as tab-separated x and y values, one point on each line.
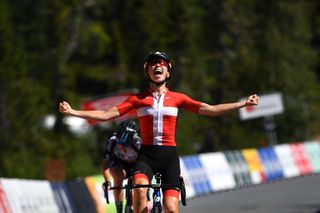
157	207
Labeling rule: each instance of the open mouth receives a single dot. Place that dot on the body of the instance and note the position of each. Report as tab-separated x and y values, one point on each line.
158	71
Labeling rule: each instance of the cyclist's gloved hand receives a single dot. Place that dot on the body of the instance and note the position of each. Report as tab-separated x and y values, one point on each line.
106	185
137	141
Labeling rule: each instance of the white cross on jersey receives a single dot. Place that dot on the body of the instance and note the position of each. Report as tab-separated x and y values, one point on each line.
158	111
158	115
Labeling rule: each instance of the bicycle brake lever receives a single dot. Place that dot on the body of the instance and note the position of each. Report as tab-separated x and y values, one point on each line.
106	194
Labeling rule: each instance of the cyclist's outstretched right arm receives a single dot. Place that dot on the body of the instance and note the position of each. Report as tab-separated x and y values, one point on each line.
98	115
221	109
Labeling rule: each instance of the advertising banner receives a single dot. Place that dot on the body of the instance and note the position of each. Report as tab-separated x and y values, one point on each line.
270	163
30	196
312	149
62	197
81	197
218	171
301	158
197	174
286	160
4	204
239	168
269	104
255	166
187	179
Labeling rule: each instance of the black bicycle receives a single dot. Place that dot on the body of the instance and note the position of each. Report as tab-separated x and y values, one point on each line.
157	206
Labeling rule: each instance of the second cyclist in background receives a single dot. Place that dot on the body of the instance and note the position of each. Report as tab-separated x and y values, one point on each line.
120	154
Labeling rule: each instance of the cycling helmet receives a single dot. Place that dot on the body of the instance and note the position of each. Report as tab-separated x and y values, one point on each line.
125	132
156	55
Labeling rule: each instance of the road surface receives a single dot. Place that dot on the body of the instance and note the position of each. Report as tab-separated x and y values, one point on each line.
297	195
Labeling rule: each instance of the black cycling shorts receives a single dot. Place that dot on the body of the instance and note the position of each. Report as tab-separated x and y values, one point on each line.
159	159
128	167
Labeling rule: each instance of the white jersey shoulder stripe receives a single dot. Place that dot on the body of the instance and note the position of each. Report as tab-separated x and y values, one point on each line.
145	111
171	111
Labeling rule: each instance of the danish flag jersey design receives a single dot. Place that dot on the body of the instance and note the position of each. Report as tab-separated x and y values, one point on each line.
158	114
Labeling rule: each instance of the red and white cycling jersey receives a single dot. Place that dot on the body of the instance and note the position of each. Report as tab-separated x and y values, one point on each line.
158	114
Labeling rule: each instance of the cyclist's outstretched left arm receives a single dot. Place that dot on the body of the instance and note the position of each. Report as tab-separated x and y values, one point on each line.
221	109
99	115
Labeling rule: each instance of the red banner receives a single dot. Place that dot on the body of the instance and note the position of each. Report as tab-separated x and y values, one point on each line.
107	102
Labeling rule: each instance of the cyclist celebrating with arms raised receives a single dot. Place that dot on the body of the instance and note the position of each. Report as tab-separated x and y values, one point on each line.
157	110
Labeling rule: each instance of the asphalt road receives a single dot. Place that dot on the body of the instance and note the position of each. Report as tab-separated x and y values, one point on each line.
298	195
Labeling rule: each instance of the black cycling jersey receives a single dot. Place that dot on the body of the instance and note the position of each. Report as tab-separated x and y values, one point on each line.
124	152
122	155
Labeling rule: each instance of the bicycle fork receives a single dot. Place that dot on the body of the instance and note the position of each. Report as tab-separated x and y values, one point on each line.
157	208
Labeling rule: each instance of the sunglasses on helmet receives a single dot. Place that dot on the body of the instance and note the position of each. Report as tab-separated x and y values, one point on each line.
158	61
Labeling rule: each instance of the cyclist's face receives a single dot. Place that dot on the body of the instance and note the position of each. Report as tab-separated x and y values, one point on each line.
158	70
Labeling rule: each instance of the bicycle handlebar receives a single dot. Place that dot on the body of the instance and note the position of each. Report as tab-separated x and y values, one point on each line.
180	186
155	185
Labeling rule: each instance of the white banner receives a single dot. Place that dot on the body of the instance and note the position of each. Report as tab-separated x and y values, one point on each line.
190	192
287	161
30	196
218	171
270	104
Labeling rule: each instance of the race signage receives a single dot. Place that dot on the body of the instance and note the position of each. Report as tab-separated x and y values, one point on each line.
270	104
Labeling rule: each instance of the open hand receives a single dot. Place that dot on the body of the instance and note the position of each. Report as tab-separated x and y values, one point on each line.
252	100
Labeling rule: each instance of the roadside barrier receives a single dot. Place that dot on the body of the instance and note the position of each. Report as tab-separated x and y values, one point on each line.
203	174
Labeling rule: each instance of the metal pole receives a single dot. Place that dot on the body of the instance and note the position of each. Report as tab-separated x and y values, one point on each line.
270	128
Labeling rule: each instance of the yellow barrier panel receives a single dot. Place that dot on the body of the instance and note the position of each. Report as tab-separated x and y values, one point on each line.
254	165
